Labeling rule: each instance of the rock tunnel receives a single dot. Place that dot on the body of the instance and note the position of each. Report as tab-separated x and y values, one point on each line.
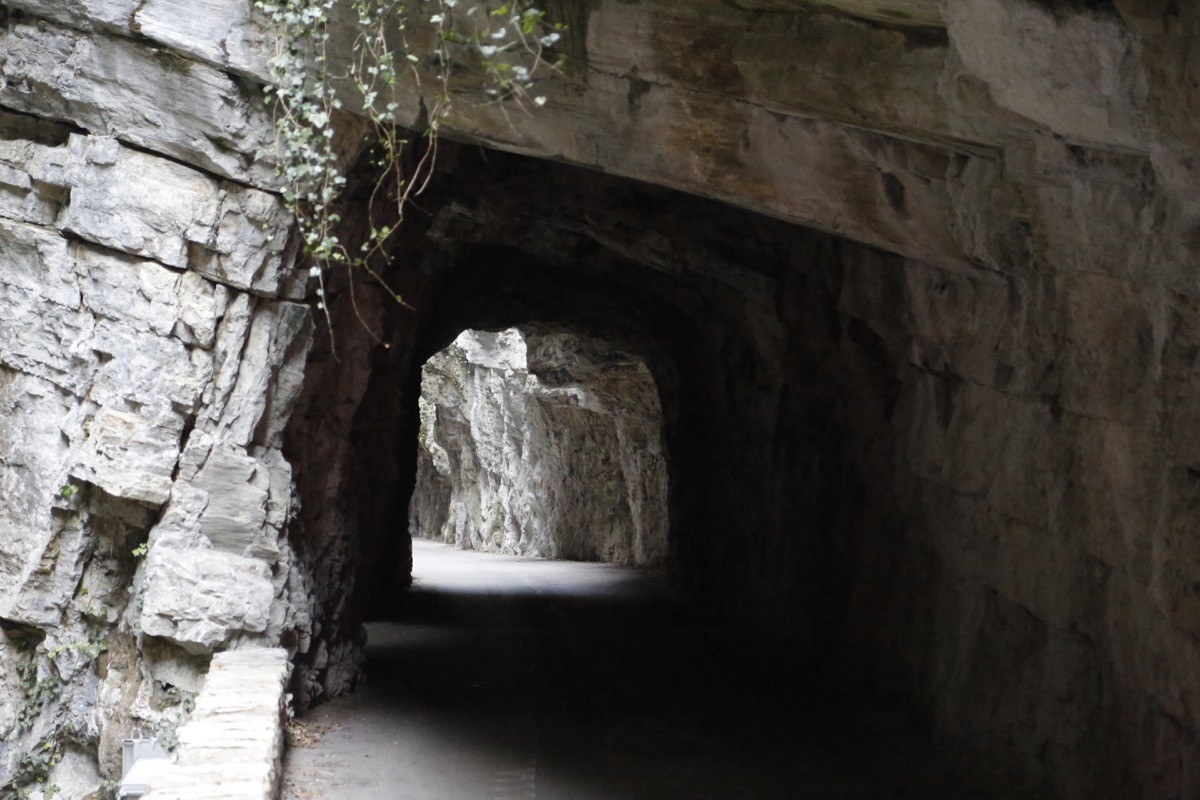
808	415
775	355
736	316
915	283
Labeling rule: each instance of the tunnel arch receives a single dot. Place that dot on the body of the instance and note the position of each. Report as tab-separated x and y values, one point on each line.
775	397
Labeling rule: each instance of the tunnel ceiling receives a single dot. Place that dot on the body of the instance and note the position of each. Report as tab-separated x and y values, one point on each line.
596	255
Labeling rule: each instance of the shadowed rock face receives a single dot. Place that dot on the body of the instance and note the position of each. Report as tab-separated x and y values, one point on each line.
885	461
934	419
541	444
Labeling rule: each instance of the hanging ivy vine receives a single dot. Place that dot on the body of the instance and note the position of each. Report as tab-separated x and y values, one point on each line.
508	41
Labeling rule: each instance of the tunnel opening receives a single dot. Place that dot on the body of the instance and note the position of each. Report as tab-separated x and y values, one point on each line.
774	350
544	443
796	393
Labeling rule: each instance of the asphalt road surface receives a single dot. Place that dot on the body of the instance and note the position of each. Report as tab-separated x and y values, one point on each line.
513	679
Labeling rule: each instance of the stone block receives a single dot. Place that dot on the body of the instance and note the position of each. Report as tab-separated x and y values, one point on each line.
237	487
228	34
150	207
248	245
223	33
32	410
39	596
150	298
232	747
199	599
76	775
32	178
129	456
268	377
139	204
45	340
14	179
141	294
157	373
38	264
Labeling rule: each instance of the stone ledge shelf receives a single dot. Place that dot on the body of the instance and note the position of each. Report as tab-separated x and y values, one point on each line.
232	748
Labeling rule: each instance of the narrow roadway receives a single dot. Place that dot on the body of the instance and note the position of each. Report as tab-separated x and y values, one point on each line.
512	678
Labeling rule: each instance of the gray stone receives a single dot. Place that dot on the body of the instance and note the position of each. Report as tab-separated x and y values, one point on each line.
268	376
31	449
77	776
226	33
199	599
139	204
232	747
150	207
236	511
223	33
129	457
247	248
49	582
141	294
150	97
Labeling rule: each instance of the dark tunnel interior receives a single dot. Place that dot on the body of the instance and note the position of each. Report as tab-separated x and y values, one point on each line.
777	353
776	400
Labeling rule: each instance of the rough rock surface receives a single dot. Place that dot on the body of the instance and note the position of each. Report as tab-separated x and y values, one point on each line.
964	463
541	444
148	360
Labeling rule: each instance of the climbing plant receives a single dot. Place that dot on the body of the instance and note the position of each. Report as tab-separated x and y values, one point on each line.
340	57
34	768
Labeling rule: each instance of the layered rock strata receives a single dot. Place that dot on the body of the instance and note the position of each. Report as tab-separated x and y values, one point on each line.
541	444
150	350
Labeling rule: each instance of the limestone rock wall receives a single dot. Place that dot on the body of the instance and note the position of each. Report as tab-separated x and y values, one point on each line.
541	444
150	352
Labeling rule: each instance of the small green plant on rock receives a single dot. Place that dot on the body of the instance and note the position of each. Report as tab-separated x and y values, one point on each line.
36	693
34	768
90	648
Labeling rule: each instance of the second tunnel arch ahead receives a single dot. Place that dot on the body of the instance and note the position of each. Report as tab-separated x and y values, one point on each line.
542	443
